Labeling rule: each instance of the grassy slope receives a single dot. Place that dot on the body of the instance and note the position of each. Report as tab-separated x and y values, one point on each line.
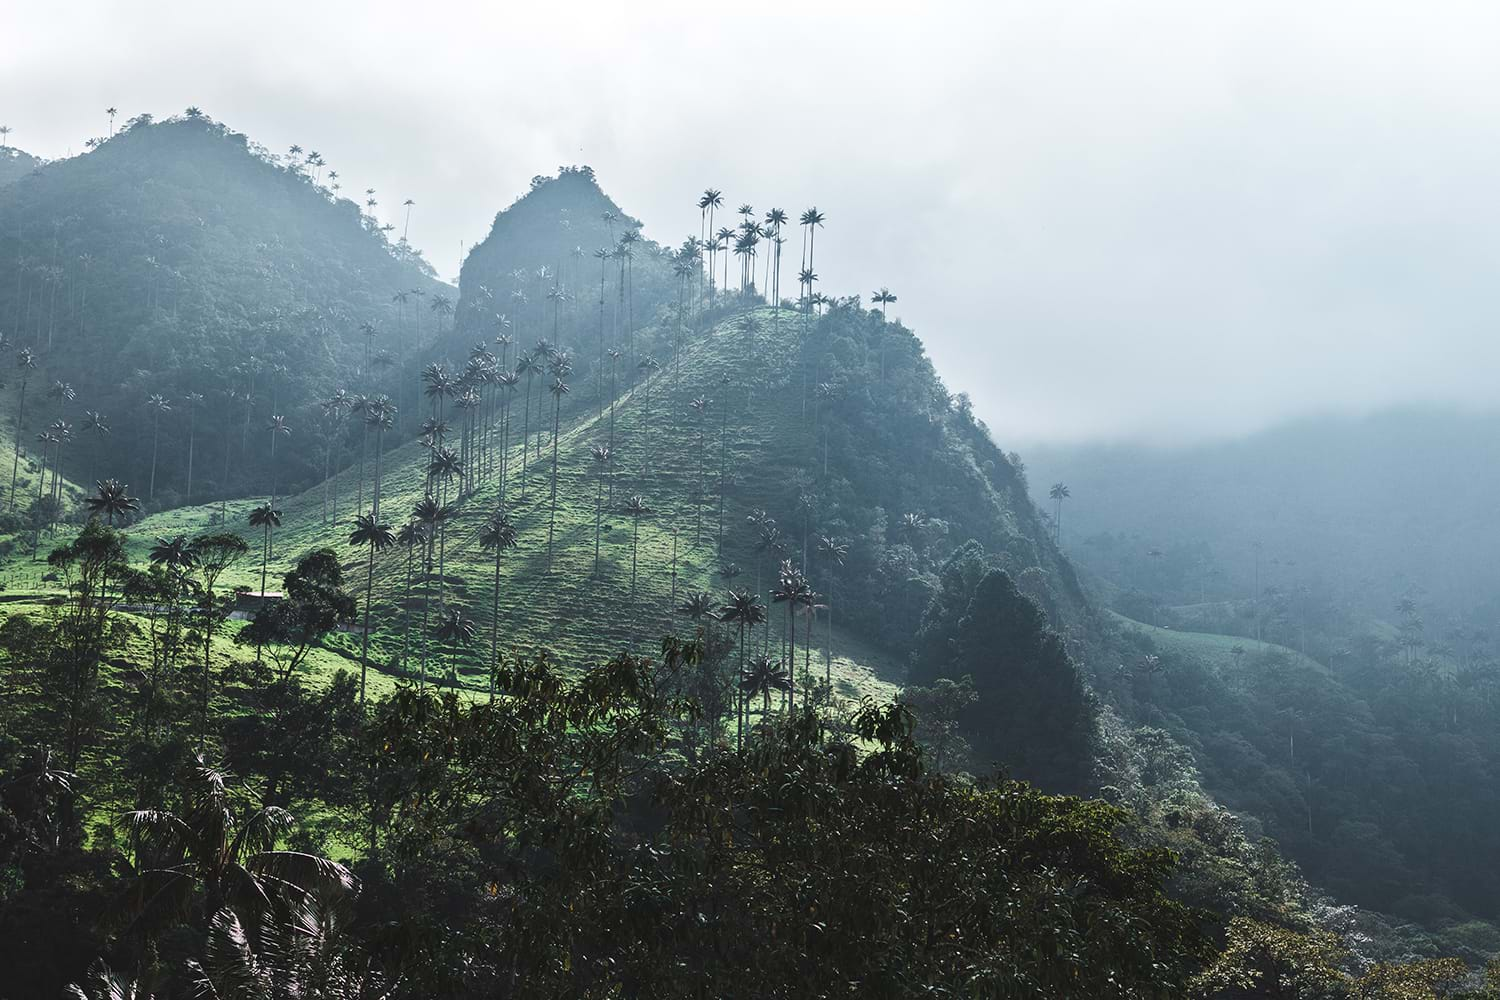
40	411
568	611
1212	652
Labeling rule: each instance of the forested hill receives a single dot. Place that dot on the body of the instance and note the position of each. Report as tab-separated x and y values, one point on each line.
1319	602
15	164
179	260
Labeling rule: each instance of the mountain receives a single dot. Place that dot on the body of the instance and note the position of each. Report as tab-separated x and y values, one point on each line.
178	258
741	435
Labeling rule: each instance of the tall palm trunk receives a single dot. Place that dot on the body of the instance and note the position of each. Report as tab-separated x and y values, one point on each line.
599	379
16	458
598	513
495	623
525	432
739	715
504	443
635	541
406	609
364	649
614	391
265	555
426	607
551	524
379	456
155	436
359	497
224	483
192	434
828	639
791	660
723	471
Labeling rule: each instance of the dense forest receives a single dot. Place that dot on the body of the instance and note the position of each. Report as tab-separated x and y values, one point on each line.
638	619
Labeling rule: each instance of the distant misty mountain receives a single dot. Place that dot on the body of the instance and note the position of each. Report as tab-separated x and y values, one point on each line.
1402	503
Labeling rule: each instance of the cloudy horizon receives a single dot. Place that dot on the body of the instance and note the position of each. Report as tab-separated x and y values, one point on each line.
1153	221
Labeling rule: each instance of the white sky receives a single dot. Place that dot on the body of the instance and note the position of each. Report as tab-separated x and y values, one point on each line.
1144	219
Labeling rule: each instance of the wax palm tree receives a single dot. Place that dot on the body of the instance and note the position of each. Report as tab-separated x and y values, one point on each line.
776	218
722	244
559	390
614	386
882	298
45	440
95	423
767	541
1059	492
454	630
699	407
111	498
811	220
649	366
505	382
276	427
497	535
335	408
380	416
437	384
711	200
792	590
219	851
806	278
911	526
412	536
193	399
745	611
527	366
63	432
379	537
62	392
636	507
25	365
763	677
442	308
444	466
175	554
696	607
601	456
267	518
158	405
833	553
433	517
